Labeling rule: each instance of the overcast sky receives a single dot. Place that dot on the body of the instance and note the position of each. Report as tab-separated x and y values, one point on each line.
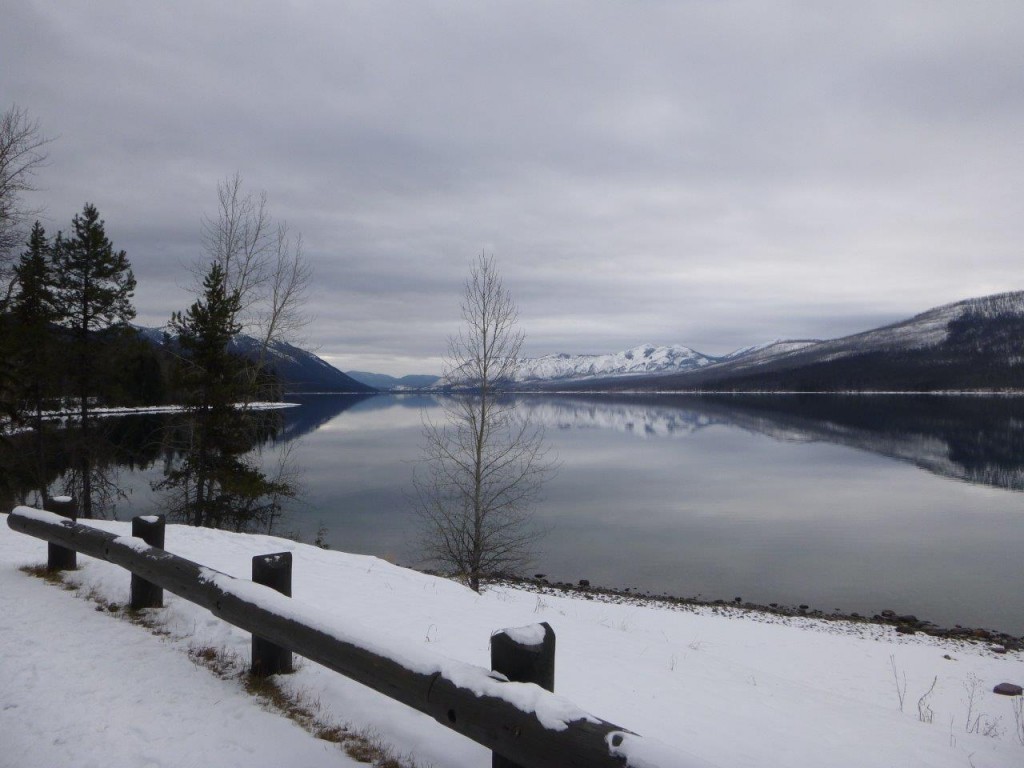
714	174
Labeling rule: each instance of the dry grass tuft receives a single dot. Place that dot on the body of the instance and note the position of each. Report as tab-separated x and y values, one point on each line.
42	572
221	663
366	746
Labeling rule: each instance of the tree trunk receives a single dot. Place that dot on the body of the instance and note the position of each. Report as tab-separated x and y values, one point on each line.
40	451
85	462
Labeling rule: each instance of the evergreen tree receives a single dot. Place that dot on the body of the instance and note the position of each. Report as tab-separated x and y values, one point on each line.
132	369
204	333
33	314
95	289
214	483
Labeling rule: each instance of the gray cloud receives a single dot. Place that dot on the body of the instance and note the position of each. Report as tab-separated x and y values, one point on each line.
713	174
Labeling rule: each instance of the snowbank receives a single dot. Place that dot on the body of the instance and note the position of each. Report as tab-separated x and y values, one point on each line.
730	689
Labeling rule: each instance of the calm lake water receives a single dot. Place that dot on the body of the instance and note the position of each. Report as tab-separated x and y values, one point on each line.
855	503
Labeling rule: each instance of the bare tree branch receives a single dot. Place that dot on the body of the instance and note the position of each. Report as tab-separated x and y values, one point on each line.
262	261
282	313
21	155
238	239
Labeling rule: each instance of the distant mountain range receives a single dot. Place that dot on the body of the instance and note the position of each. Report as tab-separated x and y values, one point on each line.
298	370
976	344
972	344
645	359
391	383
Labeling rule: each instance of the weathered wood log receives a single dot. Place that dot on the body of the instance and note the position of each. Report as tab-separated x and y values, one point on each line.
61	558
524	655
274	571
151	529
520	722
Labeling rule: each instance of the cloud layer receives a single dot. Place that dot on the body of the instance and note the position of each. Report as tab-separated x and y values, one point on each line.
711	174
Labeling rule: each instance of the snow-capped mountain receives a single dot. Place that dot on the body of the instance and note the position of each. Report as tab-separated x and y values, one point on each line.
928	330
644	359
972	344
769	349
298	370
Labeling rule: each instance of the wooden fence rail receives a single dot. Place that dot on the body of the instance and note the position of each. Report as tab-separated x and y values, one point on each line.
521	723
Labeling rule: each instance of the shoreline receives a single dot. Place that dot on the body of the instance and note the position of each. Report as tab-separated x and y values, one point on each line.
905	624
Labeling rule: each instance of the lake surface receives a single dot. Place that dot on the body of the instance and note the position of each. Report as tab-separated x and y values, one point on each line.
854	503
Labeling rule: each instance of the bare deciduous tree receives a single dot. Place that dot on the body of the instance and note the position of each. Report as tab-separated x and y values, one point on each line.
238	238
21	155
484	465
283	314
262	261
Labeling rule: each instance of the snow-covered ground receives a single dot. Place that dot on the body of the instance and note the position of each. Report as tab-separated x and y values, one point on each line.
67	415
82	687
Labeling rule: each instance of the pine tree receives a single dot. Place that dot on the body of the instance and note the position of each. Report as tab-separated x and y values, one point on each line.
215	484
204	333
95	289
33	313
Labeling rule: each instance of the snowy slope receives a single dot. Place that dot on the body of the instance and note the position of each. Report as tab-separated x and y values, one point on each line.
770	349
924	331
644	359
927	329
298	369
732	688
80	689
974	344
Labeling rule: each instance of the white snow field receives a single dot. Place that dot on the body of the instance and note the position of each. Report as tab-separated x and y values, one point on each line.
83	687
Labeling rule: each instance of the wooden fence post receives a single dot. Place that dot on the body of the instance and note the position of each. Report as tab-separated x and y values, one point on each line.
524	655
145	594
274	571
59	558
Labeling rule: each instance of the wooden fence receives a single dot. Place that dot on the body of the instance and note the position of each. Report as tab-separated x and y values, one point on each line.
523	727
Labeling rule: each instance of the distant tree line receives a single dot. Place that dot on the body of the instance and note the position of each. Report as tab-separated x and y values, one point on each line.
67	346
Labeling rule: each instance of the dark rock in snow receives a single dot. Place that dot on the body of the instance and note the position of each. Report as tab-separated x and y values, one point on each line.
1008	689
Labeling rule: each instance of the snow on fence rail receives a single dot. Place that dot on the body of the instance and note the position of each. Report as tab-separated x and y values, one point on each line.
521	722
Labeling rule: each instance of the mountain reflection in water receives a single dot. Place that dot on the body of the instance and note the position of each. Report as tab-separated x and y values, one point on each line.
782	498
973	438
